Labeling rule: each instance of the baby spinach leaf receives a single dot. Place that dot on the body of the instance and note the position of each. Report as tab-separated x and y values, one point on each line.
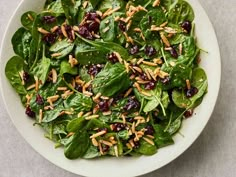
175	125
92	152
124	134
56	8
111	80
180	11
83	72
42	69
66	68
165	99
78	102
12	69
27	19
71	10
95	2
63	47
51	115
162	138
106	4
21	43
59	129
76	124
78	145
146	148
107	28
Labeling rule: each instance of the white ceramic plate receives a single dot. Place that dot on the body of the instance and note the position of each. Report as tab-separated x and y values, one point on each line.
107	167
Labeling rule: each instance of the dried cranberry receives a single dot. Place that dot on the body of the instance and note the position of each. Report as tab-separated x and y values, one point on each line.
131	120
134	50
122	26
50	38
150	85
187	26
104	105
29	112
132	103
188	113
174	53
116	127
58	32
79	88
94	26
84	32
143	76
49	19
112	57
191	92
150	51
165	80
149	130
94	70
105	148
136	144
26	76
92	16
39	99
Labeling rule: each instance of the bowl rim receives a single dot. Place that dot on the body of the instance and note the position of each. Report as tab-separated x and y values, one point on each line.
196	135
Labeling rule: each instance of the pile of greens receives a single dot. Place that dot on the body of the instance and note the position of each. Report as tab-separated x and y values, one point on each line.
108	77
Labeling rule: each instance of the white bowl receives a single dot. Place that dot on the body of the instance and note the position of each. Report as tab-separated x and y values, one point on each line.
116	167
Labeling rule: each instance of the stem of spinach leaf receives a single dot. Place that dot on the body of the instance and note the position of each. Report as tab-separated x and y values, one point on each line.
162	107
171	115
164	56
37	54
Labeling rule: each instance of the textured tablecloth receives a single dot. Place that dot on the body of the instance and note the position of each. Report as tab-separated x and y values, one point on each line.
212	155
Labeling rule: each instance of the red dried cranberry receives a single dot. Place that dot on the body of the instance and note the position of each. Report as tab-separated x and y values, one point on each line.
69	32
105	148
174	53
79	88
26	76
92	16
188	113
58	32
50	38
136	144
104	105
134	50
112	57
39	99
94	70
191	92
187	26
84	32
143	76
165	80
150	85
132	103
131	120
94	26
49	19
149	130
29	112
150	51
122	26
116	127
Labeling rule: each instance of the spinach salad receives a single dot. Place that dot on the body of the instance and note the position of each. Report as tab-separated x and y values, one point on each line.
108	77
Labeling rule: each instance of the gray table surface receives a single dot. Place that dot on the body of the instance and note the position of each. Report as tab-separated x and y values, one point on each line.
212	155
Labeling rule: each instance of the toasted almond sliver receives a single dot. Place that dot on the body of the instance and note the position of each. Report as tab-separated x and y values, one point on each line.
137	86
56	55
158	61
30	17
85	4
156	3
188	84
165	40
107	113
137	69
106	143
149	63
150	136
43	31
106	29
118	56
31	87
92	117
180	49
40	115
149	141
89	94
95	142
54	29
98	134
133	127
54	76
145	93
36	83
80	114
128	92
116	151
97	96
163	24
131	142
63	30
62	88
123	118
128	146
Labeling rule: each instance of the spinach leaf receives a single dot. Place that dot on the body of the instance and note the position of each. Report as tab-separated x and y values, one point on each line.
124	134
76	124
78	145
87	54
42	69
146	148
95	2
56	8
51	115
21	43
162	138
106	4
63	47
83	72
111	80
199	81
92	152
180	11
71	10
108	23
12	69
27	19
66	68
78	102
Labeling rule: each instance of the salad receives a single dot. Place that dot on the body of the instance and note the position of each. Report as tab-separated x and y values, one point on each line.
108	77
